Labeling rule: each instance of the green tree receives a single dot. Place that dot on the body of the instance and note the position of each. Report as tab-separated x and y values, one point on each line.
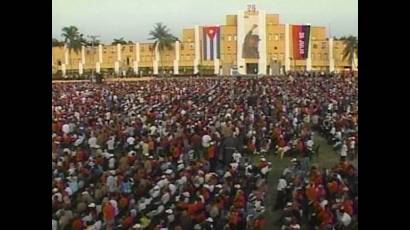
73	39
119	41
351	49
56	42
162	38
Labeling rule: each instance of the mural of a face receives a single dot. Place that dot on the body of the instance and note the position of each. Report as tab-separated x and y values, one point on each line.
250	45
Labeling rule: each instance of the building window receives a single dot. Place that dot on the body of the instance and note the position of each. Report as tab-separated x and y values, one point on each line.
313	56
282	36
182	46
270	37
229	38
229	48
276	37
274	57
234	37
325	56
142	49
131	48
314	46
323	45
191	45
275	48
319	57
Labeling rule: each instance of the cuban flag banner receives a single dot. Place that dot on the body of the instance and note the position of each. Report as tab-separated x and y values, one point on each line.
301	35
211	42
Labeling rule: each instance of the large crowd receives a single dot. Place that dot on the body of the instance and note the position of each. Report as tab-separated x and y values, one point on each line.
176	154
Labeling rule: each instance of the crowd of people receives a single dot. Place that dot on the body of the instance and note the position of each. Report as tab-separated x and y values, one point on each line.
175	154
319	198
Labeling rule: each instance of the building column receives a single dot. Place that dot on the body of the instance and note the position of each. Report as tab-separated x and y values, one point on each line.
240	38
98	67
118	52
100	53
137	57
117	67
176	61
156	60
216	66
287	48
63	69
309	59
83	55
80	68
197	50
262	43
331	59
66	60
355	62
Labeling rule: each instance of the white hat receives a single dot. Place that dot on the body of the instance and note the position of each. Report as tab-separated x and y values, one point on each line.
218	186
168	171
210	220
150	157
169	211
91	205
180	161
84	193
227	174
136	226
180	167
289	204
293	160
55	190
186	194
237	186
112	172
263	159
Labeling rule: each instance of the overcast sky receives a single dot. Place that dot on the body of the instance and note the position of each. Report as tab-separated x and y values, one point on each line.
133	19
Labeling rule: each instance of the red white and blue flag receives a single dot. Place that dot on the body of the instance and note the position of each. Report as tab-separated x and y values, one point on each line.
211	42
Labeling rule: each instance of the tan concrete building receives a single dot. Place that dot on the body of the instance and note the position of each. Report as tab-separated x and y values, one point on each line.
274	51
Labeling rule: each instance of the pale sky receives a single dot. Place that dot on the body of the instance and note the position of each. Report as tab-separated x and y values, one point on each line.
133	19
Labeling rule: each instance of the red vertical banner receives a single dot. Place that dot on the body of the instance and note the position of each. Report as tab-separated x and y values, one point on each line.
300	41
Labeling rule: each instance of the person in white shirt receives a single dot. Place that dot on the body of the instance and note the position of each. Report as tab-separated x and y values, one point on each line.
205	140
309	145
343	150
280	198
344	218
111	162
111	183
66	128
54	224
92	142
110	144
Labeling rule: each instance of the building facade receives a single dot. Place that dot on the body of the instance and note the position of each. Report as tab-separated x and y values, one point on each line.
250	42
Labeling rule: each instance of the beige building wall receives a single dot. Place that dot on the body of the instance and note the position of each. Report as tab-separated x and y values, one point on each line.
275	49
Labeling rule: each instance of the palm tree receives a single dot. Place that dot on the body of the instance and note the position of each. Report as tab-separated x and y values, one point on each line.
162	39
119	41
351	49
73	39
